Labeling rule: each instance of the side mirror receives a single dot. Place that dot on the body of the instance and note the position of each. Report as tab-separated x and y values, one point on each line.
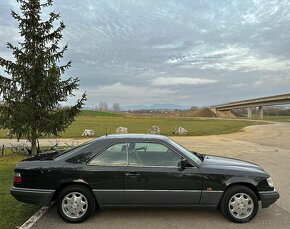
182	165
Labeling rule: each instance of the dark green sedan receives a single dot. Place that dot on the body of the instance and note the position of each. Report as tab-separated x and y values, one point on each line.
136	170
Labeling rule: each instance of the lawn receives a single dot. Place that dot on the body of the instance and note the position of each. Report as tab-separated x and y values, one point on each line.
100	113
195	127
277	118
13	213
102	122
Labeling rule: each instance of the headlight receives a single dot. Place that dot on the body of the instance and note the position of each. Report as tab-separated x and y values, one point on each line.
270	182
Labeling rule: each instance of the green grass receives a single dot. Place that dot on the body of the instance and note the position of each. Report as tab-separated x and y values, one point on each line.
99	113
195	127
13	213
100	122
277	118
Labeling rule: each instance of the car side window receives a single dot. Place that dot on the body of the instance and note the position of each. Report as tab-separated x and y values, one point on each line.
115	155
152	154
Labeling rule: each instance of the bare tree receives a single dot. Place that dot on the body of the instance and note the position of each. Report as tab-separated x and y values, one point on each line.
116	107
103	106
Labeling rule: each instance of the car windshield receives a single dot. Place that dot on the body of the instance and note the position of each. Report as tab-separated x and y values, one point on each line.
72	150
186	152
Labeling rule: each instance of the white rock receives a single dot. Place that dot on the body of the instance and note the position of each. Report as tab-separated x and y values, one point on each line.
180	131
88	133
122	130
154	130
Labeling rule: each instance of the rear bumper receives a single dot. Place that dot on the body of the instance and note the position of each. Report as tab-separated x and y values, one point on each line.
32	196
268	198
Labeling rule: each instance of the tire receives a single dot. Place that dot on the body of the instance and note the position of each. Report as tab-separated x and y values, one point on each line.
239	204
75	203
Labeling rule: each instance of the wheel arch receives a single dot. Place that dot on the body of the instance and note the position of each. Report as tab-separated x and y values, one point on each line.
249	185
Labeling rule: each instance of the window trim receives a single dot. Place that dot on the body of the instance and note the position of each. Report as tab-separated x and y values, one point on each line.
137	166
195	164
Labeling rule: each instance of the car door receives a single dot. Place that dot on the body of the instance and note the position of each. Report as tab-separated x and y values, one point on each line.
152	176
105	174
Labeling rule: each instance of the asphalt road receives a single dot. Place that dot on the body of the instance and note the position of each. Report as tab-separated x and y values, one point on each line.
267	145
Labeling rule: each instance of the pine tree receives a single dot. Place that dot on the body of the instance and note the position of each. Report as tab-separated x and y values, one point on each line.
33	91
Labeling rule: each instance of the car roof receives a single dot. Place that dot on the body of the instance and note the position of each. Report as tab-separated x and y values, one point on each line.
135	136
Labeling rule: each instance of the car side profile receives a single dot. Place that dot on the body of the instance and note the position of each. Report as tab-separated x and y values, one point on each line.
139	170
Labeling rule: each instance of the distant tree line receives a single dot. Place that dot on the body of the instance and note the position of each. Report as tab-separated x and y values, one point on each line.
103	106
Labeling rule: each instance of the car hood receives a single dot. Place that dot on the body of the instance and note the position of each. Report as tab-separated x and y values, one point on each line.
229	163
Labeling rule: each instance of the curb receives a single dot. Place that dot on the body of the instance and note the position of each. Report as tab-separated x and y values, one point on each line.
33	219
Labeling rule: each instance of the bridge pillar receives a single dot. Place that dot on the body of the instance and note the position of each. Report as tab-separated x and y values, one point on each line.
260	112
213	110
249	112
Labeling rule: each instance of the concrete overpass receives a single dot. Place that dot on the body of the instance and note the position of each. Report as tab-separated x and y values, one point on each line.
251	103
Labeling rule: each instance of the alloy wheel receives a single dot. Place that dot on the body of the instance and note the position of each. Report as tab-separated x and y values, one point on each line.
241	205
74	205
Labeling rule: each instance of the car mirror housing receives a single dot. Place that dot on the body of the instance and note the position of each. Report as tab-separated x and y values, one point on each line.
182	165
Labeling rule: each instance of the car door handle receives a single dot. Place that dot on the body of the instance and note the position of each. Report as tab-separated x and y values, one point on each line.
132	174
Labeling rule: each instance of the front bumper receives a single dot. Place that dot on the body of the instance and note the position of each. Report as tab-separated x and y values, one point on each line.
32	196
268	198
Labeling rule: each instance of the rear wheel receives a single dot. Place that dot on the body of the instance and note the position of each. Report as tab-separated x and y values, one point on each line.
75	203
239	204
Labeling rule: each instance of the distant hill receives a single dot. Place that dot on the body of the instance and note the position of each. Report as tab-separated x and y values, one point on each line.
166	106
198	112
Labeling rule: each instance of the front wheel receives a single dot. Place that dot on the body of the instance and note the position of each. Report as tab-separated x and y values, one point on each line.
239	204
75	203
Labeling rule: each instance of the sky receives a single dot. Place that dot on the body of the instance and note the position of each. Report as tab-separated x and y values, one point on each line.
186	52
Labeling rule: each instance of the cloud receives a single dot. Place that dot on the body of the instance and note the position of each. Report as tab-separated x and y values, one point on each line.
148	51
231	58
170	81
264	10
127	94
244	59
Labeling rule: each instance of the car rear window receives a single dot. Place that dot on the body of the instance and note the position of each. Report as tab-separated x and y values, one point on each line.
71	151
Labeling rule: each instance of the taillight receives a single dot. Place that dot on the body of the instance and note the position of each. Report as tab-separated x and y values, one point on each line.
17	178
